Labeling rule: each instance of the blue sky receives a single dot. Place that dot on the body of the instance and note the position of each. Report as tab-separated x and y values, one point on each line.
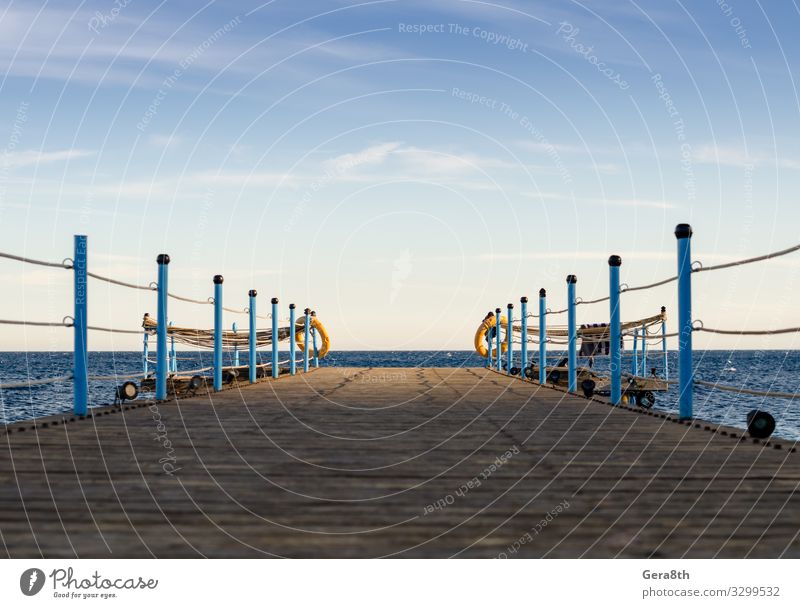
401	166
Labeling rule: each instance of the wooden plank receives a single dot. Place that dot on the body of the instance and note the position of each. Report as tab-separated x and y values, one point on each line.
407	462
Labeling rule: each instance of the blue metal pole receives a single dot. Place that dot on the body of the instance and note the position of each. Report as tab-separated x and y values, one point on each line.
572	354
218	332
635	362
314	341
510	339
489	342
162	365
275	367
145	352
292	346
235	346
614	262
542	336
252	335
683	232
306	337
664	342
644	350
498	354
80	353
524	356
173	359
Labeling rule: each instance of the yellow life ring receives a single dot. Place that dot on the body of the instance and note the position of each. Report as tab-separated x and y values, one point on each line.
480	336
299	336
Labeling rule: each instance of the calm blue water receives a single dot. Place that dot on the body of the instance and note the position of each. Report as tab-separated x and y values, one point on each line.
760	370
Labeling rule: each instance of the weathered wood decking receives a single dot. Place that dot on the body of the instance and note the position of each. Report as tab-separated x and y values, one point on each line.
393	462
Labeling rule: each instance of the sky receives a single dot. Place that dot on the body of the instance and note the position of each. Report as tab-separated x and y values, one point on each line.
400	166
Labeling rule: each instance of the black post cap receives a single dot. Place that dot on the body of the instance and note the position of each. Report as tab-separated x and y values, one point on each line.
510	305
252	293
571	278
542	292
683	231
523	300
218	279
291	306
162	258
663	309
274	300
498	311
615	260
307	311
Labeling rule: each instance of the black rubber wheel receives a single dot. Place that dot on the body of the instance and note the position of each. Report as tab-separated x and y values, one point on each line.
554	377
646	399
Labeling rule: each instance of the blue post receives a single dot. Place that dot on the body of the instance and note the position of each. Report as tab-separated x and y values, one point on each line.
145	352
292	346
614	262
542	336
644	350
572	354
173	359
80	353
306	337
275	367
314	341
664	342
524	356
509	339
162	365
635	362
252	336
489	343
218	332
683	232
235	346
499	355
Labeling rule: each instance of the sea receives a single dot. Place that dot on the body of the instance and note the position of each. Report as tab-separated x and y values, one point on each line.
755	370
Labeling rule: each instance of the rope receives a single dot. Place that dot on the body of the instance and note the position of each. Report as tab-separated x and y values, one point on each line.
115	331
734	389
28	383
749	332
121	283
625	289
759	258
36	323
19	258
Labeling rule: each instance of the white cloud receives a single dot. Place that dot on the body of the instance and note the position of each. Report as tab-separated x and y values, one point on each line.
26	158
616	202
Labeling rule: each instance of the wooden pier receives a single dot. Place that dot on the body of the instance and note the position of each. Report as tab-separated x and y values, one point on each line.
370	462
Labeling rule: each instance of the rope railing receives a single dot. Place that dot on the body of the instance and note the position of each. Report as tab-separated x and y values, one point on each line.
302	333
696	267
67	264
616	335
747	391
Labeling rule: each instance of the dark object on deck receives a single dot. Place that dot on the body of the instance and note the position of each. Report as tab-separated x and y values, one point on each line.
195	382
126	392
529	372
646	399
229	376
760	424
588	387
515	371
554	377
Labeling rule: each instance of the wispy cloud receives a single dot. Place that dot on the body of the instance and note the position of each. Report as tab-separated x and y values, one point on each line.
26	158
602	202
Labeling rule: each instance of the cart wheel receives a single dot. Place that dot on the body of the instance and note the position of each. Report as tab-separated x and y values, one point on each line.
554	377
646	399
529	372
